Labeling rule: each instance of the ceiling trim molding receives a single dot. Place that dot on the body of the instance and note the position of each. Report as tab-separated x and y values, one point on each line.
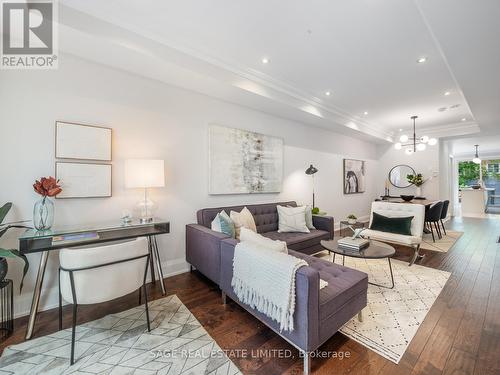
441	52
274	84
235	75
449	130
348	120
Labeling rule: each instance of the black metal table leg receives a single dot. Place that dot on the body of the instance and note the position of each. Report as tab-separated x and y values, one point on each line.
159	269
151	260
392	278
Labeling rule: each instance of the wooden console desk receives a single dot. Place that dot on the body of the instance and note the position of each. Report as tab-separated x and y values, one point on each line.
33	241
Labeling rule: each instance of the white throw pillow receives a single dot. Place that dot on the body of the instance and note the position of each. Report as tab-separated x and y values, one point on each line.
246	235
292	219
242	219
309	218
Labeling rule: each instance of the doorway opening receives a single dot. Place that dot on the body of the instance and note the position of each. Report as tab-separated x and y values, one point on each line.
479	186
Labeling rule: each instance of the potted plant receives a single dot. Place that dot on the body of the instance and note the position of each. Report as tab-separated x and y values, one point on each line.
351	219
10	253
418	181
43	212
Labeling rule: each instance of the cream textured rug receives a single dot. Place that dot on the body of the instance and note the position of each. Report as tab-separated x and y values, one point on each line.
120	344
392	316
441	245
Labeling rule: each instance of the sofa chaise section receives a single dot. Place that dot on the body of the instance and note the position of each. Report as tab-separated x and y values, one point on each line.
319	314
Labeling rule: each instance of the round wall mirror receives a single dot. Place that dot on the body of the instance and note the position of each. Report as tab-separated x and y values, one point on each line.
397	176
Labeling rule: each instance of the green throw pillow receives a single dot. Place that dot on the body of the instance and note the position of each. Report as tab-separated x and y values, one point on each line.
223	224
398	225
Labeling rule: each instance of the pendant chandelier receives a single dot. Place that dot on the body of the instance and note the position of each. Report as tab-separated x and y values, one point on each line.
414	144
476	159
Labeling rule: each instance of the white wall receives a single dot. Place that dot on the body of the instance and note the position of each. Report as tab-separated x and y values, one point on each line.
425	162
150	120
446	182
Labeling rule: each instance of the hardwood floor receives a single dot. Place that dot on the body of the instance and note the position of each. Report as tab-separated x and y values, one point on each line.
460	335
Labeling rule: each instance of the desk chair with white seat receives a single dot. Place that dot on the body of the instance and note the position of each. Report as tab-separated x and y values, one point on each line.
399	210
89	275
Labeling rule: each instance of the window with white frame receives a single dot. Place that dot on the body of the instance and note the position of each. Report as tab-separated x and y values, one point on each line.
493	167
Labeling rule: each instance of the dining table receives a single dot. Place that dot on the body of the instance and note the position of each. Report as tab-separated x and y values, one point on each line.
424	202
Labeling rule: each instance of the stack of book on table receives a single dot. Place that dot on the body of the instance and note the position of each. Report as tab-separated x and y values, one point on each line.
356	244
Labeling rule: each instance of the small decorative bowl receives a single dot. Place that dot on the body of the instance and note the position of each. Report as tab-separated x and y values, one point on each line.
407	198
476	187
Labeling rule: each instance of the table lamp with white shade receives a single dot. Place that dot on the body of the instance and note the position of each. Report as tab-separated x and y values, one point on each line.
145	174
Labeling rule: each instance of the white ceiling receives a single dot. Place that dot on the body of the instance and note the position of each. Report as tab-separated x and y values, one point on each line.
363	51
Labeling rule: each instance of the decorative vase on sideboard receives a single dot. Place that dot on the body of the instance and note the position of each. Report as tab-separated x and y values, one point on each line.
43	214
418	191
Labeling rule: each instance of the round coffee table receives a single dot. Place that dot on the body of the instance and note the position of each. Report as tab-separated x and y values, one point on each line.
376	250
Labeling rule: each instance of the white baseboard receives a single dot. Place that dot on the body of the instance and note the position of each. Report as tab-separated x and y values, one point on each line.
50	299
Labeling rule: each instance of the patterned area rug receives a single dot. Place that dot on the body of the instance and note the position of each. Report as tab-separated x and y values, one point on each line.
441	245
120	344
393	316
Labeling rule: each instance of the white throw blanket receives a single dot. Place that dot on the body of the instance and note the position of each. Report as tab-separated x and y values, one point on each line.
265	280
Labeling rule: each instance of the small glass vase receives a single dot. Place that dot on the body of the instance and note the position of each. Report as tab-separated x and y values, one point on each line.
43	214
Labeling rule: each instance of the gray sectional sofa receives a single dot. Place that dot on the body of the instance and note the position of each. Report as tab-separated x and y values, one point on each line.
318	313
203	244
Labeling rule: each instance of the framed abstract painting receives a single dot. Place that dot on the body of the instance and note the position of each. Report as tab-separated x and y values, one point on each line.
84	142
354	176
243	162
83	180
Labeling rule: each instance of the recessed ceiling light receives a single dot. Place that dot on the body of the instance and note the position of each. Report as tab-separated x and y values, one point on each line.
365	113
446	93
400	130
463	119
328	93
265	60
422	59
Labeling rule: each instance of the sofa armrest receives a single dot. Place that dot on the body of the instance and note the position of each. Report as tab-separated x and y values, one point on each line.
203	250
324	223
306	316
201	230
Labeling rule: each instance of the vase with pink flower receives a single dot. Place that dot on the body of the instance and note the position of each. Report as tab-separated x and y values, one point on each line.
43	212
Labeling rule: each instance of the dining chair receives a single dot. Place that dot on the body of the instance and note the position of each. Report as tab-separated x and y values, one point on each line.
444	213
433	216
94	274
